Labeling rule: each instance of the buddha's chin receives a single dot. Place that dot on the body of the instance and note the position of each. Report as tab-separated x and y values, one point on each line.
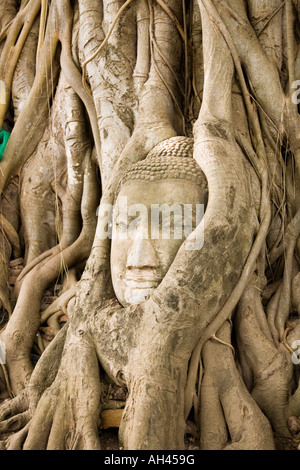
135	296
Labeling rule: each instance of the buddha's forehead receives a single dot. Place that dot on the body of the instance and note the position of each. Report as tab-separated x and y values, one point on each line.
166	191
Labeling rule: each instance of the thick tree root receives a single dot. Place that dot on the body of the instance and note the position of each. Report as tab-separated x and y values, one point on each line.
16	441
67	415
272	367
16	414
233	408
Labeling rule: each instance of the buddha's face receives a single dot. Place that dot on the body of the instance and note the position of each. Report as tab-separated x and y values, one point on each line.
145	240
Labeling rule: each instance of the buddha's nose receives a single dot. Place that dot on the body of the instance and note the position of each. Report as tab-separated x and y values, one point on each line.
142	255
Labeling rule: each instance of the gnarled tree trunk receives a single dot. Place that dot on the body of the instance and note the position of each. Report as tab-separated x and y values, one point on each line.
89	88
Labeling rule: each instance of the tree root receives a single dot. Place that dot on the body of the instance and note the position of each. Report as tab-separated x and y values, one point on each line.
14	407
272	367
60	423
17	36
232	406
16	441
43	20
16	414
58	308
17	342
33	116
15	423
24	323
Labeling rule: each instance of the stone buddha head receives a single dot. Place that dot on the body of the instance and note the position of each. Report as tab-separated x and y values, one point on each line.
155	209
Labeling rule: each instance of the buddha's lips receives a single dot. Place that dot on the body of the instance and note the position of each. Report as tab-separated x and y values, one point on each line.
141	285
141	280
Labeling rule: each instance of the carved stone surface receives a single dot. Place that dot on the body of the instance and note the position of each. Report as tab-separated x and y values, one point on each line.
155	206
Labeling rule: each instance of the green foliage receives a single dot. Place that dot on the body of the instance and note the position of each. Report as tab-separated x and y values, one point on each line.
4	136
